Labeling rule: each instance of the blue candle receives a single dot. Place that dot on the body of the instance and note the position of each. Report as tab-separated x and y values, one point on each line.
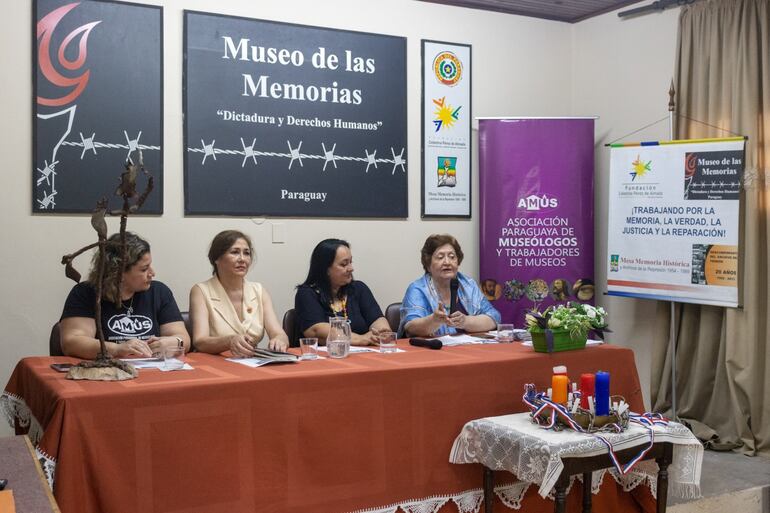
602	391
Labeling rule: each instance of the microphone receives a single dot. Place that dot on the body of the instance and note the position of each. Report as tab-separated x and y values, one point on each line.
430	343
454	284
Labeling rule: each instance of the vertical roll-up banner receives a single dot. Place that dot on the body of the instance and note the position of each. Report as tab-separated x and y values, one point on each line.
536	213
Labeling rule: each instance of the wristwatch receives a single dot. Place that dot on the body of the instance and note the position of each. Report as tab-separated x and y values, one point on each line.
179	341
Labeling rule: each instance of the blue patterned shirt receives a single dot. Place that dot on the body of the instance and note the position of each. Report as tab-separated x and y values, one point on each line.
421	300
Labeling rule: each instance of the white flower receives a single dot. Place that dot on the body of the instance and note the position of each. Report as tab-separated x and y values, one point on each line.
553	322
590	312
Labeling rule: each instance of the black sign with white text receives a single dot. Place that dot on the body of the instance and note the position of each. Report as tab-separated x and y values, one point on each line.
291	120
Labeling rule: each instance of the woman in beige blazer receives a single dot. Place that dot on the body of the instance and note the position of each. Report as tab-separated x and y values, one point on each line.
228	312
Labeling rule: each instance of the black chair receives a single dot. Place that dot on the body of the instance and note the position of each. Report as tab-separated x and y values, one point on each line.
188	327
290	327
54	341
393	315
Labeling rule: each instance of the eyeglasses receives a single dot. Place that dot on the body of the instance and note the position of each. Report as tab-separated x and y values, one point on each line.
441	256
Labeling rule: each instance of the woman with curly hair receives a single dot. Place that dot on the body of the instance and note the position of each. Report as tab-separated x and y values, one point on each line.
148	319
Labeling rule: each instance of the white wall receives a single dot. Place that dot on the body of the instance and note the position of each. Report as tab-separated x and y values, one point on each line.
520	66
616	69
621	72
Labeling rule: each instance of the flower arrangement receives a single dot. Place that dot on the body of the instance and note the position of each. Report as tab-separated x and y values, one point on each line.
576	318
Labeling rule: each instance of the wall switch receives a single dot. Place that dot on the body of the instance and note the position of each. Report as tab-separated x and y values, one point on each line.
279	233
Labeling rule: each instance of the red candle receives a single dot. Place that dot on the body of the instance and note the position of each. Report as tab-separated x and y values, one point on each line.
587	382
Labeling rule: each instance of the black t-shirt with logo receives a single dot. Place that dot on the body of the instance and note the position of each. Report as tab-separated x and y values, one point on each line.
139	318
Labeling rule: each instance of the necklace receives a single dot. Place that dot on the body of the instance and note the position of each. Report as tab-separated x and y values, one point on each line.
343	306
130	307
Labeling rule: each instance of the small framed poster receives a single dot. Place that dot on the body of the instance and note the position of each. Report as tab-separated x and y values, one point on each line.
446	129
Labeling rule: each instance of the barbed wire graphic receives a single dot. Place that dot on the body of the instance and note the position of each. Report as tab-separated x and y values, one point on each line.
88	144
732	185
294	155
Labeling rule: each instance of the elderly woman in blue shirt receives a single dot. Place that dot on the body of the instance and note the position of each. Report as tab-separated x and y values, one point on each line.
425	309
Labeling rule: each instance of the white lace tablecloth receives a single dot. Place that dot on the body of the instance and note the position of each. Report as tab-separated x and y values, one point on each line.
534	454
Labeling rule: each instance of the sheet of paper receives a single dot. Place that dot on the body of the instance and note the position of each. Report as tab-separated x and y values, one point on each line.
152	363
517	334
363	349
459	340
186	366
354	349
256	362
144	363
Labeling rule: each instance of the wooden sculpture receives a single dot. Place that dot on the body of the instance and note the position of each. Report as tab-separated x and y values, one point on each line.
105	367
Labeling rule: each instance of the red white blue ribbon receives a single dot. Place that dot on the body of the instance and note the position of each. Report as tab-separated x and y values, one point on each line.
550	408
540	404
646	420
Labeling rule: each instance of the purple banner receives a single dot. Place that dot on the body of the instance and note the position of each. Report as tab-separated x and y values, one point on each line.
537	205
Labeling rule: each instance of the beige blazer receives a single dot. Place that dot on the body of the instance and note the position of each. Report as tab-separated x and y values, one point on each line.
223	320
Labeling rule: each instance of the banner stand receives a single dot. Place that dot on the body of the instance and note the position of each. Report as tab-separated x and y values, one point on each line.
672	313
640	286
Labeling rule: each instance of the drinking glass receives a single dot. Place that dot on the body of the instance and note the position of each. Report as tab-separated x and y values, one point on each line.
505	333
387	341
173	358
309	347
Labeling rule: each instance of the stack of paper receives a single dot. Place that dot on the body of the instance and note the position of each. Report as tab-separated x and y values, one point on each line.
460	340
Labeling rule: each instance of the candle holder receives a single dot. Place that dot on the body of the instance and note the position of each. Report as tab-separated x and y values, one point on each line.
546	413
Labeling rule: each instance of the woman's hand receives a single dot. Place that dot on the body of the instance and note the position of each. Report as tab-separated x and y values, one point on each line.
457	320
240	345
158	344
278	344
133	347
367	339
438	318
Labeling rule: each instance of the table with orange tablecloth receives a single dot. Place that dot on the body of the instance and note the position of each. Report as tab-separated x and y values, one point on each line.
369	431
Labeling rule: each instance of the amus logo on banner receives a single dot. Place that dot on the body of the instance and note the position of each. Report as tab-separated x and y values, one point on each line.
536	192
293	120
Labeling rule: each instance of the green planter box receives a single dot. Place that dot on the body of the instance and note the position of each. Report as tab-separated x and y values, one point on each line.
561	341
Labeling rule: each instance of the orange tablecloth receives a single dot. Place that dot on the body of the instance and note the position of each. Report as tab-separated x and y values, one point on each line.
328	435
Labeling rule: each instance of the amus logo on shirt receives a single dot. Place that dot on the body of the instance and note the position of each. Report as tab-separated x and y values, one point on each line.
134	325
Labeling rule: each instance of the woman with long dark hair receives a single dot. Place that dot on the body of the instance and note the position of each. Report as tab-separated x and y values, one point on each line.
330	291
